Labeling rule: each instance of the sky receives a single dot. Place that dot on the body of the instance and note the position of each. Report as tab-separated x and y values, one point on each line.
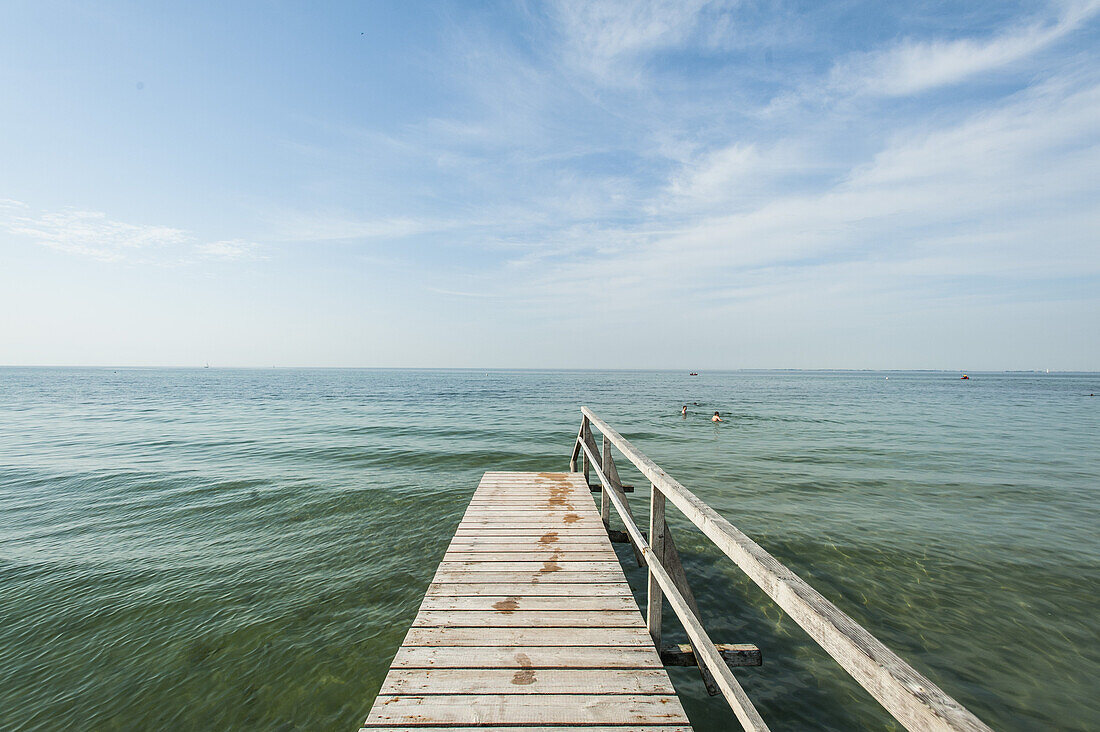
560	184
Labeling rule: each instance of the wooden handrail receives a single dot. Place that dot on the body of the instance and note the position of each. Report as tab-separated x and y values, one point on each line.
705	650
912	699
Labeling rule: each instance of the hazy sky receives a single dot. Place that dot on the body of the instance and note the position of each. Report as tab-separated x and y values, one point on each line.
561	184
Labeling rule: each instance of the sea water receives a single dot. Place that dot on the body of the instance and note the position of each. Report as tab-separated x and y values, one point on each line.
245	549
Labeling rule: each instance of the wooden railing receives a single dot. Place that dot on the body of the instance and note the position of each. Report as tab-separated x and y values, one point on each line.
912	699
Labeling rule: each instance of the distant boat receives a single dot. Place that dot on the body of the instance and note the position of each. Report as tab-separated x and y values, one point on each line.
693	374
207	365
964	376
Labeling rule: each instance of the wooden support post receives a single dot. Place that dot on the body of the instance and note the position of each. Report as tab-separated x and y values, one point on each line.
577	447
654	596
596	488
590	443
605	500
670	560
612	474
585	437
734	654
622	537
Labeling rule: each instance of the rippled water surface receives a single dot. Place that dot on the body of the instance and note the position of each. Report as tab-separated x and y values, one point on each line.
230	549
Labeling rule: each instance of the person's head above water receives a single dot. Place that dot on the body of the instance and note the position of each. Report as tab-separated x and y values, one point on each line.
716	418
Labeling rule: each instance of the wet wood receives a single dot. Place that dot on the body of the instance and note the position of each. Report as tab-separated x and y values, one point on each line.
734	654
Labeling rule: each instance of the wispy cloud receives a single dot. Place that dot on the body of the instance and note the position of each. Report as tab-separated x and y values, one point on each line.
1009	192
234	249
721	162
96	235
914	66
335	226
599	35
88	233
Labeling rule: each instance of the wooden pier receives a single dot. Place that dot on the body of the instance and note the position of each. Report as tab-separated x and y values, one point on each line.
529	623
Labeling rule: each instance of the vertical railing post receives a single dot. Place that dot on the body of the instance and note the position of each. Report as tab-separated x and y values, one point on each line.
577	448
586	437
605	499
654	596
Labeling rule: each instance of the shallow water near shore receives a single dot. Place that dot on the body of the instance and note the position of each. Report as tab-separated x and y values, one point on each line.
245	549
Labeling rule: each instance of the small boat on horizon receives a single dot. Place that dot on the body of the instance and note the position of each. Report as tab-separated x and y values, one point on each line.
964	376
693	374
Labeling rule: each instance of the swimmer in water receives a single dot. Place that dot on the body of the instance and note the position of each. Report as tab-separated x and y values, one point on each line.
684	411
716	418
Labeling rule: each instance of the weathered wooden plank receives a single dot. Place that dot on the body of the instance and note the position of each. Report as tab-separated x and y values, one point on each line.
525	728
504	509
537	528
564	482
567	520
567	551
526	657
509	545
529	602
572	487
528	619
552	495
520	543
559	535
561	589
549	565
549	495
545	498
518	637
527	681
528	577
553	514
531	556
573	709
556	535
534	532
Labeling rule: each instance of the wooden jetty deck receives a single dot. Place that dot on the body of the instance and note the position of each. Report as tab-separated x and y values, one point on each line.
529	621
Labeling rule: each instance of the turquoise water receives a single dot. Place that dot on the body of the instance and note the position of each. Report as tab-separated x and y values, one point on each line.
233	549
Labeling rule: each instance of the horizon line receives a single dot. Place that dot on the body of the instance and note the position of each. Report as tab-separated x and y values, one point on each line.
542	368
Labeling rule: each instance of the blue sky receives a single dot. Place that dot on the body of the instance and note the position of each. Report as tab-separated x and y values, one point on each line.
561	184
